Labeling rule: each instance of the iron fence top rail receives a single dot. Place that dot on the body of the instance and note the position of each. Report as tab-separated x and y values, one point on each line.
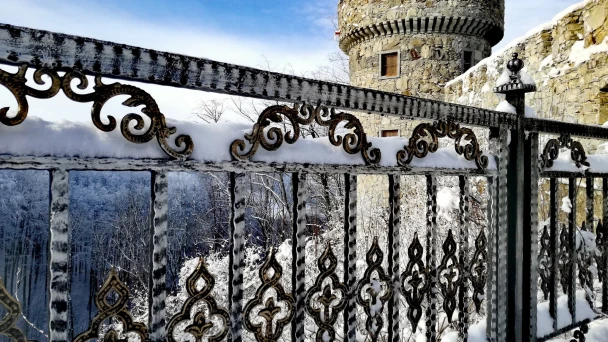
39	48
166	165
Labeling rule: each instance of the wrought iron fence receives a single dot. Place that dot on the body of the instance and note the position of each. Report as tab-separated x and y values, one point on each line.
496	269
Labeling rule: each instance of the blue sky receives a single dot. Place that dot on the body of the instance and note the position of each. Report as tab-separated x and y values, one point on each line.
290	35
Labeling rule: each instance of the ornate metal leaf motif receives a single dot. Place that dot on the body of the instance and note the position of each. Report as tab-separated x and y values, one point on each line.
564	259
478	270
551	151
420	148
321	302
374	291
544	263
353	143
202	325
117	310
13	309
270	327
450	275
15	83
414	282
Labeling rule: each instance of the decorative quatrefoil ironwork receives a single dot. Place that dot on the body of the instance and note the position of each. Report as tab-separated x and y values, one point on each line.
117	310
13	310
545	261
321	302
262	313
450	275
414	282
102	93
419	147
565	264
551	151
478	269
203	322
271	137
374	291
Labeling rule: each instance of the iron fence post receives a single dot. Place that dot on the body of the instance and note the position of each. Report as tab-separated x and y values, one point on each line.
522	213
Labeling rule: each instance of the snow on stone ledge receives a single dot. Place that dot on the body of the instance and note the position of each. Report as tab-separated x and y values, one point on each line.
39	138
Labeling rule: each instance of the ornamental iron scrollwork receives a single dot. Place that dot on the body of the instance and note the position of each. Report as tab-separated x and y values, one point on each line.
102	93
450	275
419	147
13	310
265	324
553	146
564	259
579	335
372	295
478	270
414	282
203	324
117	310
545	260
321	302
271	137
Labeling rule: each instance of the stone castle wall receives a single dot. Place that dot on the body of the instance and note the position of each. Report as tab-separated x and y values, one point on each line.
568	58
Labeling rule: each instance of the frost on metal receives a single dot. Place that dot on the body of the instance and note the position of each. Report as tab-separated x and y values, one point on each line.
59	258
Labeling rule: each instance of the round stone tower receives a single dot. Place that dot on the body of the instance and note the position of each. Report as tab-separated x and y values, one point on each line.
414	47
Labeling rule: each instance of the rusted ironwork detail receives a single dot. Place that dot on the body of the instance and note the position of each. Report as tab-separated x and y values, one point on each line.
261	313
202	325
564	259
579	335
545	260
450	275
12	310
271	137
414	282
321	302
102	93
371	292
117	310
419	147
551	151
478	269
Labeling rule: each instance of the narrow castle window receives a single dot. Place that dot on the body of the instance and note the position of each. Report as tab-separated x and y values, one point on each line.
389	64
603	105
389	133
467	60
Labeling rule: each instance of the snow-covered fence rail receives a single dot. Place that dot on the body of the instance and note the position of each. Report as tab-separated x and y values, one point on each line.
444	274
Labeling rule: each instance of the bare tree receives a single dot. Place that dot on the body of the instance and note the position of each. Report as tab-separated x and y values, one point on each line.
210	111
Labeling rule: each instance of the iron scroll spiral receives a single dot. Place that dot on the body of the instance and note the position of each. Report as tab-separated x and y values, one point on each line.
272	137
465	143
12	310
553	146
102	93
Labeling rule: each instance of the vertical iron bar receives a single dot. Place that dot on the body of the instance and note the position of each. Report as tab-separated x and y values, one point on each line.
572	248
350	256
553	251
502	238
157	292
394	225
59	246
589	191
463	294
530	237
604	257
590	205
298	253
491	284
237	257
431	258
